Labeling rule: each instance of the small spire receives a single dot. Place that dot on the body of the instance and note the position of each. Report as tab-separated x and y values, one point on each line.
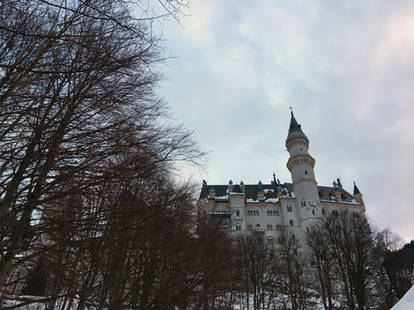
356	190
274	178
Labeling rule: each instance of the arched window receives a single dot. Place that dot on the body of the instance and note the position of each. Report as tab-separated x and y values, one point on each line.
307	229
291	222
313	212
238	227
238	213
306	172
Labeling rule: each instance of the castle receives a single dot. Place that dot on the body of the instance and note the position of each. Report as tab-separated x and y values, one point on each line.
268	208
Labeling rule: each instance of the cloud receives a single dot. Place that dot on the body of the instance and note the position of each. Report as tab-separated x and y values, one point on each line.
345	66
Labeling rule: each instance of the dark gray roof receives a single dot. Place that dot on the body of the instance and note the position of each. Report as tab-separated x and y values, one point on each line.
325	192
356	190
250	190
295	130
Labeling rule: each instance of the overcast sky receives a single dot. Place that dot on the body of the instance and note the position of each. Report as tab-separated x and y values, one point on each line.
346	68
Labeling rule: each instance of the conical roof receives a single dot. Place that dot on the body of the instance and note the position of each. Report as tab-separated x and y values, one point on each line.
356	190
295	130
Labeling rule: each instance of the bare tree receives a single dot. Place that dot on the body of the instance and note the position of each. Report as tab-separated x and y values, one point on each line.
322	259
349	245
76	92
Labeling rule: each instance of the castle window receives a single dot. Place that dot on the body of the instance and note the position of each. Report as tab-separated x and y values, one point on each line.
238	213
291	222
289	208
313	212
275	212
281	240
307	229
306	172
303	203
238	227
334	212
249	226
279	227
269	241
293	237
323	211
269	227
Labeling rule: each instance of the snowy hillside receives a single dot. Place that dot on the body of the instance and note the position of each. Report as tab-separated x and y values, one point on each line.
407	302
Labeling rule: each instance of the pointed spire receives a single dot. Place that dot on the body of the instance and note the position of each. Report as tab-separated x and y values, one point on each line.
294	125
295	130
356	190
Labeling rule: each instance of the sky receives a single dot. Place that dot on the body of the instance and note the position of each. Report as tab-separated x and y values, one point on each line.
345	67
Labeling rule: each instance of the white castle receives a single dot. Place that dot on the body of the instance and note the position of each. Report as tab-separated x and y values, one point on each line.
268	208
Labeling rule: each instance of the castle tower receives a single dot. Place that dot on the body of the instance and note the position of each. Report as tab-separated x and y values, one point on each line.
300	165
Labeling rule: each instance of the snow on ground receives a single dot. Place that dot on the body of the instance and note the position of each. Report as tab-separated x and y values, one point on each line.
406	302
10	301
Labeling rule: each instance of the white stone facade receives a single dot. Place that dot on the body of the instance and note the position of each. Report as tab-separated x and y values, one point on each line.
268	208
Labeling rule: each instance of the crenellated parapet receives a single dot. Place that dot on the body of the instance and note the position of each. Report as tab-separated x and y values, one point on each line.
300	159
